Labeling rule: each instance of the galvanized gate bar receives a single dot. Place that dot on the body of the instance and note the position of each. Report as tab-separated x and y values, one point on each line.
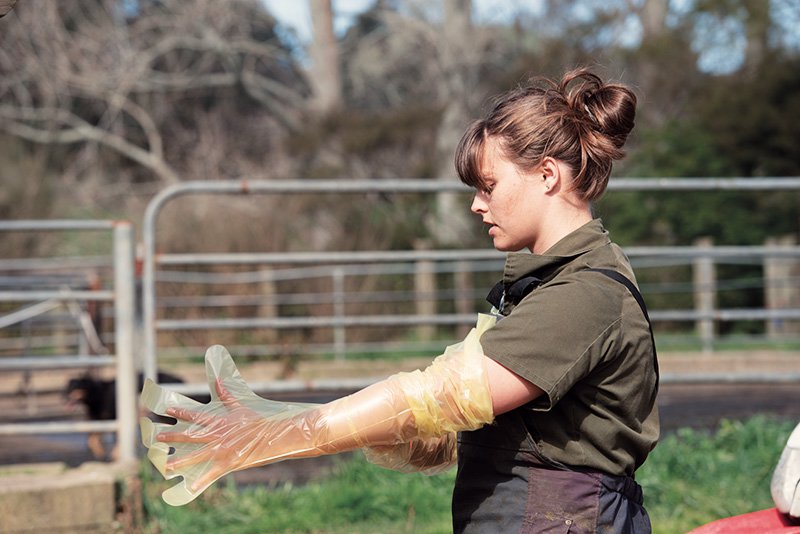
705	184
55	224
242	188
315	322
56	294
55	362
124	324
57	427
316	258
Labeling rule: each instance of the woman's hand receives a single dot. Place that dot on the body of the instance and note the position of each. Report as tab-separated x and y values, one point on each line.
235	430
230	437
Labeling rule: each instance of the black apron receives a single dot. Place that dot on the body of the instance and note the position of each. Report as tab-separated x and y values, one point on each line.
505	485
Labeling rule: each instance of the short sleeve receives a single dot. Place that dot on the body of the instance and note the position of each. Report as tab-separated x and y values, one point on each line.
556	335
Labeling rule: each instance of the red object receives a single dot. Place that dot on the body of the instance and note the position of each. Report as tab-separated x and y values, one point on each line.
769	521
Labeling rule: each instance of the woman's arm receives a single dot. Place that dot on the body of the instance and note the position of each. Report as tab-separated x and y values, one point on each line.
238	429
508	389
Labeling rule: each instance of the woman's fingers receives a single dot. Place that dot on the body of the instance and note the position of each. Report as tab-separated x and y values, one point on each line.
184	437
208	478
176	462
158	400
227	398
192	416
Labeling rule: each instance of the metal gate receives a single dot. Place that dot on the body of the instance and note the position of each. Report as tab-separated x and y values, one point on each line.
338	321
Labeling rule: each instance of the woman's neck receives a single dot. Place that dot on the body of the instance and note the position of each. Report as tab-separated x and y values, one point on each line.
564	222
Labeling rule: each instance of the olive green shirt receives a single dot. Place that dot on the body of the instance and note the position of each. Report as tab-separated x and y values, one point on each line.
581	338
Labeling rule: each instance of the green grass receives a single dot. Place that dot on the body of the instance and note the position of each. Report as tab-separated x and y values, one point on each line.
359	498
694	477
691	478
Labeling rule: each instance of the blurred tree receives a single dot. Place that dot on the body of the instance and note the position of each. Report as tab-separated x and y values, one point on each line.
161	84
324	72
753	119
205	89
429	58
6	6
752	17
731	126
459	65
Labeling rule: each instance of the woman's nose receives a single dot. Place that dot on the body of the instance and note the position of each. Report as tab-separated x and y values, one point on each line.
478	204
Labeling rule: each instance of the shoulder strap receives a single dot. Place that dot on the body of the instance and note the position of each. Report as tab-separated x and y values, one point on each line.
622	279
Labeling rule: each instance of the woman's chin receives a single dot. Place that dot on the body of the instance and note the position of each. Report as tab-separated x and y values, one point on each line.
506	246
503	246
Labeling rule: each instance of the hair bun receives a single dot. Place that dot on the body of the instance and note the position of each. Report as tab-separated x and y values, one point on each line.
610	108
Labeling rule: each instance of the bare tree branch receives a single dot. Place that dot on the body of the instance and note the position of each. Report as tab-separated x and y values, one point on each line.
142	86
72	129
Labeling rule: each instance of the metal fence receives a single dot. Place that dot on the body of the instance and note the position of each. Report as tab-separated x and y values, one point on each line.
161	267
32	294
440	289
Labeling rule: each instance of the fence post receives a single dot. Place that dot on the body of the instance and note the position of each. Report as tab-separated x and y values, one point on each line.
339	334
463	295
780	288
704	292
269	306
424	291
124	325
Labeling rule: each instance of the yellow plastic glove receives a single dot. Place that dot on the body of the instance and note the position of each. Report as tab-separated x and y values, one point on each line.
238	429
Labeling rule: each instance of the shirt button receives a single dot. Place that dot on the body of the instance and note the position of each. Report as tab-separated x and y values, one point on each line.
568	521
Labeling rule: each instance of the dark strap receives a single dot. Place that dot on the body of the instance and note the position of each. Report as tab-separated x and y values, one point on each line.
622	279
503	293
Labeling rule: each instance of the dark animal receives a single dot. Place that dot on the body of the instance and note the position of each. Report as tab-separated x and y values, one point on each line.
99	397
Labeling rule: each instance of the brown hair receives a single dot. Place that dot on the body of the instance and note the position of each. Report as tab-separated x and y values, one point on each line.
580	121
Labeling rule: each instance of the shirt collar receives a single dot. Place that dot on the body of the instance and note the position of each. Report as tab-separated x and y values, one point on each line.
545	266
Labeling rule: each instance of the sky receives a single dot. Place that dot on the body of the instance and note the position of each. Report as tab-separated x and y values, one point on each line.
715	57
295	13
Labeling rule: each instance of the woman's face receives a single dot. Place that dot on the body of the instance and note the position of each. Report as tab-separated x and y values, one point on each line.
511	203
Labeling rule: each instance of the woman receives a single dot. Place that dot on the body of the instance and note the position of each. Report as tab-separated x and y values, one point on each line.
575	407
554	406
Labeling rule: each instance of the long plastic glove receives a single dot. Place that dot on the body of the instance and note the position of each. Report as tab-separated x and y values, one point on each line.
428	456
237	429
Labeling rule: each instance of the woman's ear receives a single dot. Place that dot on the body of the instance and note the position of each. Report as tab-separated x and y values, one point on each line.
551	175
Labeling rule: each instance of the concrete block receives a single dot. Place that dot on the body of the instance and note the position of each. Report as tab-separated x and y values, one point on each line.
77	500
